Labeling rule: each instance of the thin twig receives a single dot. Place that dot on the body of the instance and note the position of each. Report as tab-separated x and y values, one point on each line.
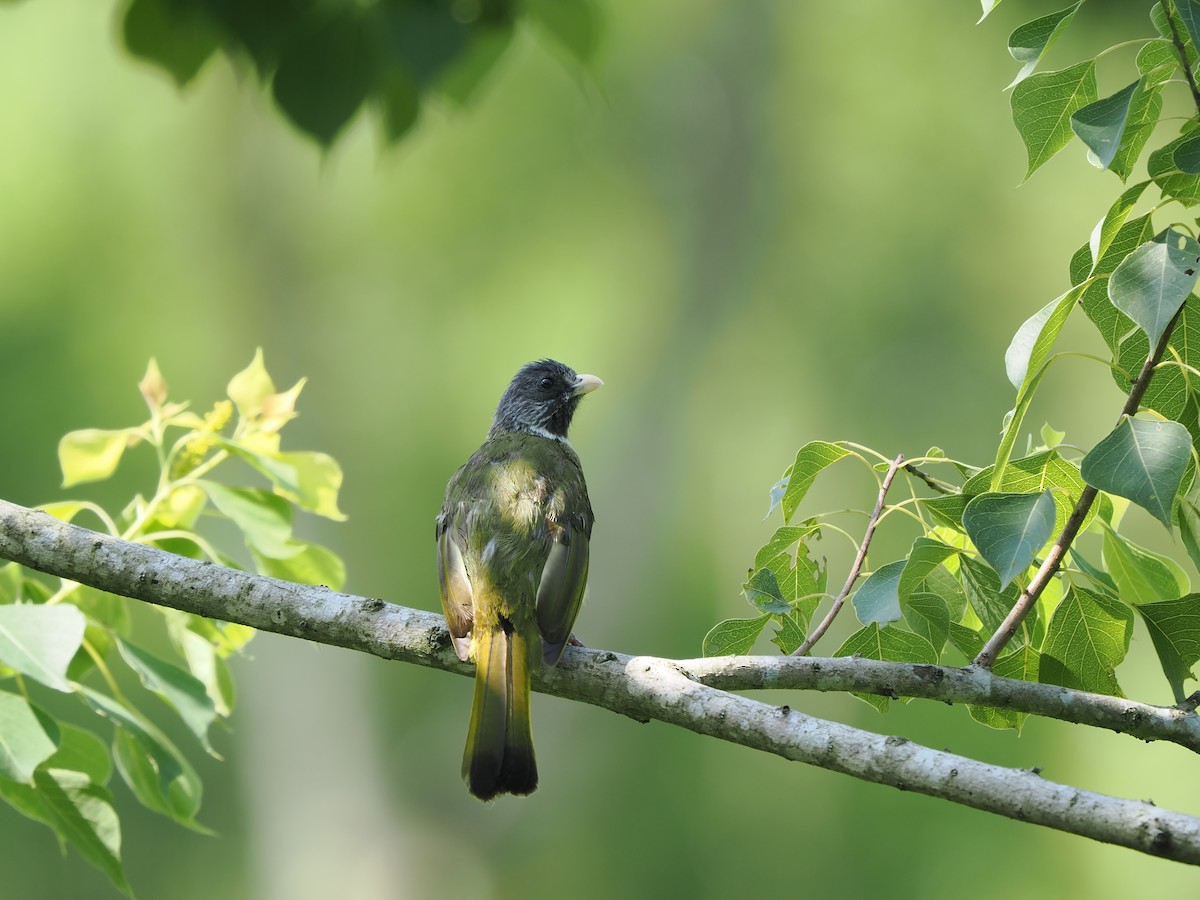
942	487
859	559
1049	567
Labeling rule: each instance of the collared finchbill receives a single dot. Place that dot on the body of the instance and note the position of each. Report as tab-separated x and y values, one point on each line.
585	384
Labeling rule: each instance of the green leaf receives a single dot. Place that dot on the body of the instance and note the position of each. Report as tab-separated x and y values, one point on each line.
990	602
1042	106
988	6
324	74
81	813
734	637
179	37
1107	229
250	387
928	616
185	693
966	641
1174	627
1140	575
1009	529
157	773
314	564
811	459
1143	116
318	479
1086	640
878	599
1187	154
39	641
1101	124
790	634
92	454
1143	461
762	590
573	24
925	556
1030	42
399	102
1189	524
81	751
1023	663
24	744
1031	344
264	518
1161	167
1045	470
1189	14
461	79
1152	282
783	538
889	643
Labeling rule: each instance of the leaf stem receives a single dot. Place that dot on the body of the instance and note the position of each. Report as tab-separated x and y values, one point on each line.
859	559
1025	602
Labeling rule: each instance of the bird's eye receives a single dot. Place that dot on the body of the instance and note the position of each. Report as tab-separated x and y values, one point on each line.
546	383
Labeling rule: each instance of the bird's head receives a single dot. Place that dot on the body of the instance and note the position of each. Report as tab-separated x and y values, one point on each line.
542	398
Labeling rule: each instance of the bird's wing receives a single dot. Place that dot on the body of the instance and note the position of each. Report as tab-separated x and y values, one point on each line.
560	591
455	586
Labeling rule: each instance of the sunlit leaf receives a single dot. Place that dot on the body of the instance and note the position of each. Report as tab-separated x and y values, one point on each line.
92	454
251	386
81	751
39	641
1031	344
264	518
1140	575
1029	42
1042	106
24	744
811	459
318	480
1086	640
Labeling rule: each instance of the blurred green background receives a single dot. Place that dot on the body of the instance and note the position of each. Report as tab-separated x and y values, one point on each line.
761	223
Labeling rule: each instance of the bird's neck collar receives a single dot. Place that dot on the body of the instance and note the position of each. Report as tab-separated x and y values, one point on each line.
541	432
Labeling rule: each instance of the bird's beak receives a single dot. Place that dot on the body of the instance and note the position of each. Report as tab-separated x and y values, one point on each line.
585	384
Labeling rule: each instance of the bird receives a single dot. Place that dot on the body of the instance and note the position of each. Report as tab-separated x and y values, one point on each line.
513	545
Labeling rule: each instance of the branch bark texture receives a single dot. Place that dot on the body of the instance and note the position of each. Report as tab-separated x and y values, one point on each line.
691	694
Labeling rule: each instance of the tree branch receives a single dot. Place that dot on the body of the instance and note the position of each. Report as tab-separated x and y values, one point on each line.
1049	567
1181	49
859	559
681	693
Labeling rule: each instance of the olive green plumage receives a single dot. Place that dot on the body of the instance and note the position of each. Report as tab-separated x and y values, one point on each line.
513	546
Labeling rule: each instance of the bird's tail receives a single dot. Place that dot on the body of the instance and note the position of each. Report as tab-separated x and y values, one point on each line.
498	758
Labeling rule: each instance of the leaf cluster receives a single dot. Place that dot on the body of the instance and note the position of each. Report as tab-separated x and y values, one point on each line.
66	642
990	536
326	61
